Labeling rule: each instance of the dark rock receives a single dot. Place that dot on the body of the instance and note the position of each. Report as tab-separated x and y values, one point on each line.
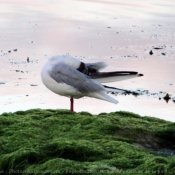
151	52
163	54
15	50
167	97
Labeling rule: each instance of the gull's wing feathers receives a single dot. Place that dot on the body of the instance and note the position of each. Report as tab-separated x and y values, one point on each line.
116	90
105	77
92	70
62	73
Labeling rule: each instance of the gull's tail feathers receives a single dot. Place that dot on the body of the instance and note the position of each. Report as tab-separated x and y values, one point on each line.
103	96
105	77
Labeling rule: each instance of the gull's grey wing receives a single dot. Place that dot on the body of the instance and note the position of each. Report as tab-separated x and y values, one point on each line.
62	73
105	77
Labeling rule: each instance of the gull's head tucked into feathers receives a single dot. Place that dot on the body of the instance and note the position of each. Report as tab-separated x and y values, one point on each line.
67	59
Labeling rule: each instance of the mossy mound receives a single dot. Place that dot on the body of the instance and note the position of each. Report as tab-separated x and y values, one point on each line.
60	142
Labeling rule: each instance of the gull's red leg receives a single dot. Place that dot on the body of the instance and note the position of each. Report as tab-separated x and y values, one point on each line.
71	104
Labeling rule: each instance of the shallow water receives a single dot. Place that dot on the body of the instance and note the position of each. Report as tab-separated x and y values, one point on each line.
120	33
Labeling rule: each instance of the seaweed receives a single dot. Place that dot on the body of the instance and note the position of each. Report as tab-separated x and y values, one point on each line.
60	142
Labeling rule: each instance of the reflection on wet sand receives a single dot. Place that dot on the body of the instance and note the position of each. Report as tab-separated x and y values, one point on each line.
121	34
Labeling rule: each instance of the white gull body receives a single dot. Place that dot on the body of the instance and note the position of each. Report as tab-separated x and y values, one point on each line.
68	76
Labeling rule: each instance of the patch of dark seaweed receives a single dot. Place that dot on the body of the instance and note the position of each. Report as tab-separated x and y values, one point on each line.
141	92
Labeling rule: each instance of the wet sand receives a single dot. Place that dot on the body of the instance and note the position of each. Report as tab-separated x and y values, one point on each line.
122	34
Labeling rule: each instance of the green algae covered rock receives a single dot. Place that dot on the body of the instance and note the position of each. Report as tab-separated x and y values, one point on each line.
60	142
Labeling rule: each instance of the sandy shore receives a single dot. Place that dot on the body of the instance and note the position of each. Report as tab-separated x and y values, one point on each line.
122	34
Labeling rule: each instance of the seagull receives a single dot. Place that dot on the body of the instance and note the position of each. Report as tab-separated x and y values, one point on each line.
68	76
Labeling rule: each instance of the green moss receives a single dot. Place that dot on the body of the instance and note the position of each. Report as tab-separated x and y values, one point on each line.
60	142
127	114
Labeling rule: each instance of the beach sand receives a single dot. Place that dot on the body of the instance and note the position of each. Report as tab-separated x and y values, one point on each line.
119	33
